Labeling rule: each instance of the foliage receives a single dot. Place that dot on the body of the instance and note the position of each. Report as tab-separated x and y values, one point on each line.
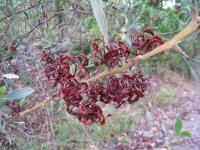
178	129
19	93
2	90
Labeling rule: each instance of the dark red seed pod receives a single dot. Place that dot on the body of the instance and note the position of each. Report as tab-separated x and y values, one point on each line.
81	98
89	112
117	52
111	55
145	41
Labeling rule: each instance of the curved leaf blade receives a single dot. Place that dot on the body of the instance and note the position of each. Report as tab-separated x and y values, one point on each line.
19	93
186	134
178	125
0	119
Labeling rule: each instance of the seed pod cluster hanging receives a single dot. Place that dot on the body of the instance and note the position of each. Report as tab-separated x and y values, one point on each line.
82	99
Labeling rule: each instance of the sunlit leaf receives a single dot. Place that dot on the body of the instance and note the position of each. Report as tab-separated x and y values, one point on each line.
72	69
178	125
100	17
0	119
186	134
2	90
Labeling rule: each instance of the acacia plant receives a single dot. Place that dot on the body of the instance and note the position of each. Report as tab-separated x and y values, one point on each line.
83	91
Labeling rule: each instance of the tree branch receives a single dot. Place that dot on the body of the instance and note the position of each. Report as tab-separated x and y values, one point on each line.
23	113
190	28
21	11
179	50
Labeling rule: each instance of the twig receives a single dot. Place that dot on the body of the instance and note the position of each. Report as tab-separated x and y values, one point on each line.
21	114
56	14
21	11
179	50
40	23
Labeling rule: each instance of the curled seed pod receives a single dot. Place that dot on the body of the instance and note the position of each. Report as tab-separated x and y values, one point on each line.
95	91
89	112
117	51
119	90
114	91
59	68
145	41
81	98
72	94
111	55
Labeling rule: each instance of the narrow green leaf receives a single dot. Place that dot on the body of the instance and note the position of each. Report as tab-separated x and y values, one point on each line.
186	134
19	93
72	69
2	90
0	119
178	125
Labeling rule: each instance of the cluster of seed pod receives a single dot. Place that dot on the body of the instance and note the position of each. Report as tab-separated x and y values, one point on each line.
145	41
116	52
83	99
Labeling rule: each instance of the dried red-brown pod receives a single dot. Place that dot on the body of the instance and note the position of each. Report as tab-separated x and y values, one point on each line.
82	99
89	112
145	41
112	54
